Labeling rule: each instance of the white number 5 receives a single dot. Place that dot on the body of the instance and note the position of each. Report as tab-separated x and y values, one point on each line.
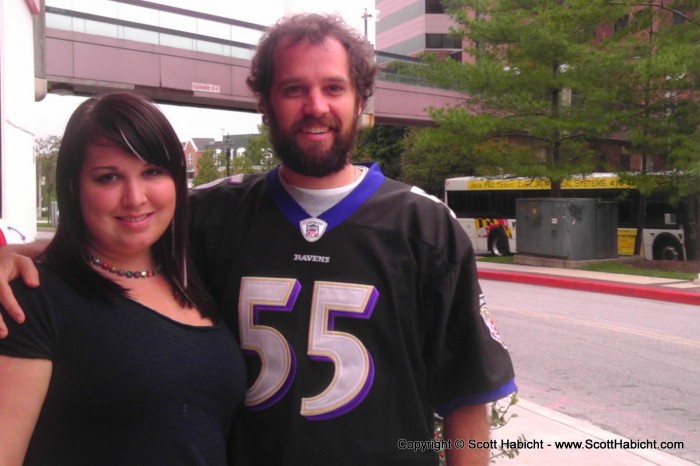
354	367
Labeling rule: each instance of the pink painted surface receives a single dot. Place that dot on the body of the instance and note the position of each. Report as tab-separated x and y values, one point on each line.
86	63
34	6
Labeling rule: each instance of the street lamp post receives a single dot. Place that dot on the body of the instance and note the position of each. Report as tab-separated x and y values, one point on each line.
224	146
365	16
228	159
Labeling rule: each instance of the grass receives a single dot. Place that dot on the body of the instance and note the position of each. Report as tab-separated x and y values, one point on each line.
43	223
611	267
621	267
497	259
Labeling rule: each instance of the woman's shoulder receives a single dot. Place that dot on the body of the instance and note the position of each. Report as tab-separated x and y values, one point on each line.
37	337
48	274
51	284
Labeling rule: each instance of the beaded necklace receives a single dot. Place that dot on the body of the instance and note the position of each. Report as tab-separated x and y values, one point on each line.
121	272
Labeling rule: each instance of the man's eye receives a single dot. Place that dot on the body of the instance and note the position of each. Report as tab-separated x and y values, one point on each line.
292	90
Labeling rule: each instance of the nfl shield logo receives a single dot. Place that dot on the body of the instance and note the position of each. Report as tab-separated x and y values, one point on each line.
312	229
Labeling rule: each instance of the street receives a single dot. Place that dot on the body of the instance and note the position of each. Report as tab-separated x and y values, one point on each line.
627	365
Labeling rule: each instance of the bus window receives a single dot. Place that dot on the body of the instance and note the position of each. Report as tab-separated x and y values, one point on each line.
660	214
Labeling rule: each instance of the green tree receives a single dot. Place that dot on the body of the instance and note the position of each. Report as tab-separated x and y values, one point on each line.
207	169
553	81
382	144
430	155
241	164
46	153
529	56
658	56
685	183
259	149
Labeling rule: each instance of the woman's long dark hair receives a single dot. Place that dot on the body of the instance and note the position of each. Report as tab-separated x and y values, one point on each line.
135	125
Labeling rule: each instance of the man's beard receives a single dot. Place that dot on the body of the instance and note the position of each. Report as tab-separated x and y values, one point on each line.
314	161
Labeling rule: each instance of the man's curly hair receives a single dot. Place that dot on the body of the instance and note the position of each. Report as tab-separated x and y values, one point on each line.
315	28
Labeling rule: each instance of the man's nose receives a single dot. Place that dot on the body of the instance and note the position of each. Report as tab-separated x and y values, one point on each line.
316	103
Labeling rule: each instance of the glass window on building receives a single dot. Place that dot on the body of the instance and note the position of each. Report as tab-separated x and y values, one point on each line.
442	41
433	7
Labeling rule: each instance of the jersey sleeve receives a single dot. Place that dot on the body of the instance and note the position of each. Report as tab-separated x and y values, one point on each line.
209	204
36	338
468	361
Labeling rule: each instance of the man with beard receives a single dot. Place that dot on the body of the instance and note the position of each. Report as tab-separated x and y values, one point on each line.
355	296
357	299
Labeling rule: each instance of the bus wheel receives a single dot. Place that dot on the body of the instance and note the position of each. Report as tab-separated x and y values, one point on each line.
667	249
499	244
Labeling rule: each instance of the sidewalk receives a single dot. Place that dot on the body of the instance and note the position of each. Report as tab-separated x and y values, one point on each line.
541	426
662	289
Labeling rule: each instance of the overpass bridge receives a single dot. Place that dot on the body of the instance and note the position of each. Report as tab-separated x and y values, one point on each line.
185	57
176	56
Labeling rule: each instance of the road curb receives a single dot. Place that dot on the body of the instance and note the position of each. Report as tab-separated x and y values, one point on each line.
598	286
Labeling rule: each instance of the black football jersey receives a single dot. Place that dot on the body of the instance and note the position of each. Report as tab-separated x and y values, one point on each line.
357	324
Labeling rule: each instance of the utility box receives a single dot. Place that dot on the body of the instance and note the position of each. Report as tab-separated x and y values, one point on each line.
567	228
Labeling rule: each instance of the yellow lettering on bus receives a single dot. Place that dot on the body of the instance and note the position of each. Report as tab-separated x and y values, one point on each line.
541	183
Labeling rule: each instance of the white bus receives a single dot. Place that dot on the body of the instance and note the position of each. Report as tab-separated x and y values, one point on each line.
485	207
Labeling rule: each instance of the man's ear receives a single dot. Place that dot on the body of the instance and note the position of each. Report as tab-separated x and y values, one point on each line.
364	120
263	108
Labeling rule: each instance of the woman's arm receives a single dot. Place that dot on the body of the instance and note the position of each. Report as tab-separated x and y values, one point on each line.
23	387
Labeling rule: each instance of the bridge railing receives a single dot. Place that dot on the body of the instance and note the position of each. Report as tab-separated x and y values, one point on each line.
164	25
152	23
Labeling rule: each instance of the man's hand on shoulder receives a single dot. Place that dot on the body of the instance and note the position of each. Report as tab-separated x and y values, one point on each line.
16	261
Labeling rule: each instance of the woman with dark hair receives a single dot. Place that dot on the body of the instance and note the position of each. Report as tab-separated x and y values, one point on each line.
123	359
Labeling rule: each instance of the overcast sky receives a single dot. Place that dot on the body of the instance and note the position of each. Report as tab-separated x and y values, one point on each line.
53	112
